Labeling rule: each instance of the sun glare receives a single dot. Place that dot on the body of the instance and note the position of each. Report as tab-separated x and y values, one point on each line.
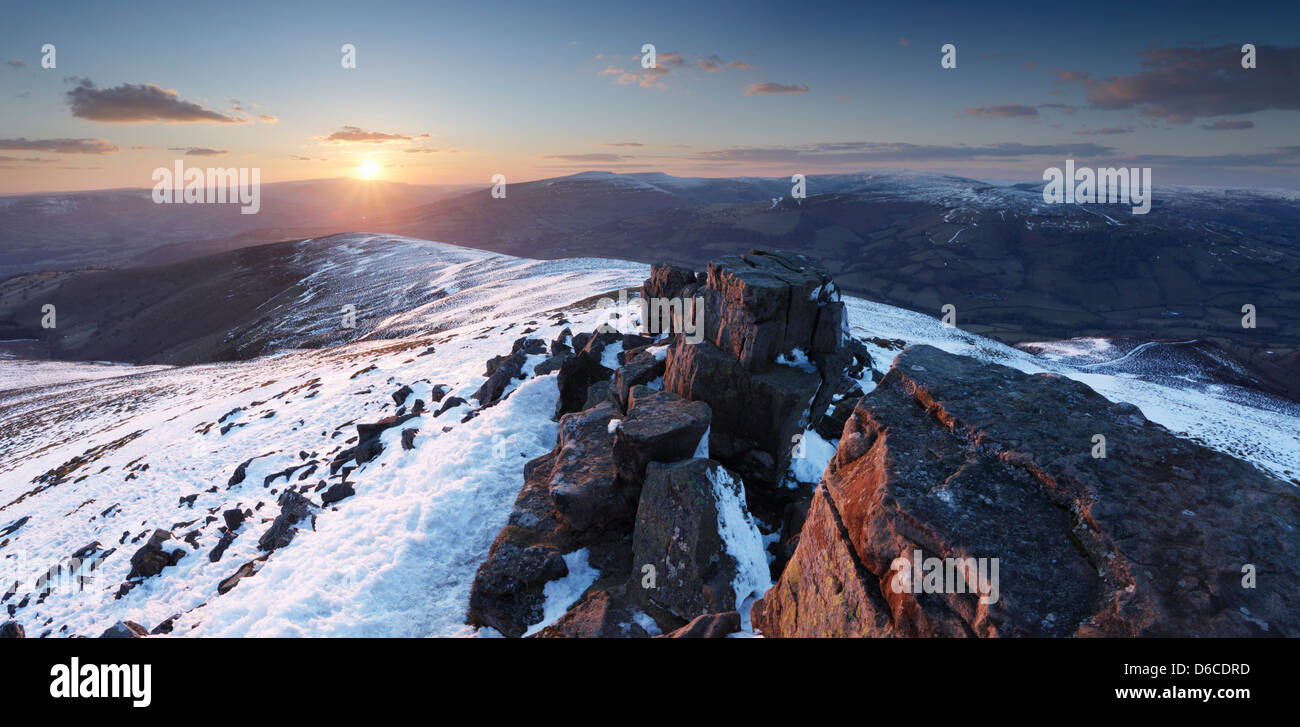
369	169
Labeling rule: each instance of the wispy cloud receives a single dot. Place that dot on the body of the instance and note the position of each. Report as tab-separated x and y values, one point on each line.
15	63
1229	125
865	153
1106	131
1003	111
132	104
714	64
765	89
198	151
61	146
357	135
590	158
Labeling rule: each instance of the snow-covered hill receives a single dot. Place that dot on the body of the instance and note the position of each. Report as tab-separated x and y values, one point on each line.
96	457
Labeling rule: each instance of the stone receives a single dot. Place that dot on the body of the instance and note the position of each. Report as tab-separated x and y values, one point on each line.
956	458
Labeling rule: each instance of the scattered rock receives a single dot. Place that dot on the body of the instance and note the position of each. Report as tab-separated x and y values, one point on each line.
294	508
246	570
151	558
234	518
336	492
125	630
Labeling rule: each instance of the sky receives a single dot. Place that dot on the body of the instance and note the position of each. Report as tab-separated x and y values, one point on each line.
454	93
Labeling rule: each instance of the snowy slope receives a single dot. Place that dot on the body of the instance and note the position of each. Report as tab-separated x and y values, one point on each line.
106	454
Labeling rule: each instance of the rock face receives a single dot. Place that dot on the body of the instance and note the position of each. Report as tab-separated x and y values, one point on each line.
631	480
957	459
772	358
677	533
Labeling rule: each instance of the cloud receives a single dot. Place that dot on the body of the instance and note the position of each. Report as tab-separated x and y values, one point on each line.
198	151
1067	108
133	104
904	42
624	143
25	94
647	77
585	158
1107	131
1065	76
1003	111
764	89
1283	156
62	146
713	63
1229	125
37	160
15	63
865	153
139	148
672	59
1031	65
1184	84
357	135
267	119
421	151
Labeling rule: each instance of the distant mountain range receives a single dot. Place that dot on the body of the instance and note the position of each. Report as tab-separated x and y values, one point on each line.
1014	268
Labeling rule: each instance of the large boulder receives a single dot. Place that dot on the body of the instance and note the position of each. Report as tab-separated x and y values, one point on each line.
752	410
507	591
680	535
582	369
582	478
951	463
599	614
764	303
660	427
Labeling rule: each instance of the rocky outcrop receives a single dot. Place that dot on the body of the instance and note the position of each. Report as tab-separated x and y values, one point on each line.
641	448
951	463
772	359
12	630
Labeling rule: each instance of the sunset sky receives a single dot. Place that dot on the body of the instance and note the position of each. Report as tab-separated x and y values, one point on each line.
457	92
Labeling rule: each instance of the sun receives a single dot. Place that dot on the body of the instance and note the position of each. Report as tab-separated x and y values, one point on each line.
369	169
